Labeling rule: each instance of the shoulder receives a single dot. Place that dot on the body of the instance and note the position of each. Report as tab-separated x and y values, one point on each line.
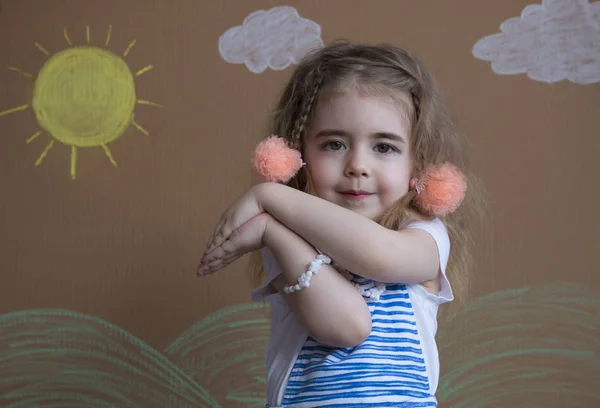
439	233
438	290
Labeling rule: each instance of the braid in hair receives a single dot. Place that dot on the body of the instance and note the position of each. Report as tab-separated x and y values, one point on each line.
301	179
299	125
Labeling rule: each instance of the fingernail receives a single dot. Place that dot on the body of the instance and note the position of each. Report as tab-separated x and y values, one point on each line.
201	270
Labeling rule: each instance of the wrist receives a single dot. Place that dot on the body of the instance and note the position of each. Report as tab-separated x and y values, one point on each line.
272	230
264	193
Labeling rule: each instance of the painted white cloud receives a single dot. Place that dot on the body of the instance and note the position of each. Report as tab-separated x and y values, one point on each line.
272	39
551	41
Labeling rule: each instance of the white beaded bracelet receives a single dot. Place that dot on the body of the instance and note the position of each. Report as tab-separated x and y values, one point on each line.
304	279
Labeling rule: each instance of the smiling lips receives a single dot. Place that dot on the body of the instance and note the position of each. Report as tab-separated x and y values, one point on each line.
356	194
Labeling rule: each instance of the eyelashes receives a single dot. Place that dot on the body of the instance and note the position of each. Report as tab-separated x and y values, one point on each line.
381	148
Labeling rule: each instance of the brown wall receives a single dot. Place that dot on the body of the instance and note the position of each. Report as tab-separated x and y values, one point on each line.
121	244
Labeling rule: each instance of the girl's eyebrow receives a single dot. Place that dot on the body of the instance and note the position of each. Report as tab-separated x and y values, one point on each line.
389	136
332	132
379	135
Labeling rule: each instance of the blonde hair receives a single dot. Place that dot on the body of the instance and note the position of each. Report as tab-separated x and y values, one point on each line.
378	70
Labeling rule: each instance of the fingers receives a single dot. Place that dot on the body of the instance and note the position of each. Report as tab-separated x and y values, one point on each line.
211	242
239	243
232	246
227	245
221	235
214	265
219	257
218	252
209	269
222	221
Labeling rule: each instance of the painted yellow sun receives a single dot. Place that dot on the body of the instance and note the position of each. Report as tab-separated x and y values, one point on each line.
84	96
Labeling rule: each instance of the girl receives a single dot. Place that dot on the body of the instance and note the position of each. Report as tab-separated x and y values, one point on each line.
355	268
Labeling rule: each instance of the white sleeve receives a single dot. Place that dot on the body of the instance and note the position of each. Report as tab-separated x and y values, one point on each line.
272	270
439	233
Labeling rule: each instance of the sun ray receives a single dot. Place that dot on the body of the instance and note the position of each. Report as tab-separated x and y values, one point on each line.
73	161
20	71
108	35
67	36
44	153
109	155
13	110
35	136
145	102
87	33
141	129
129	47
144	70
42	49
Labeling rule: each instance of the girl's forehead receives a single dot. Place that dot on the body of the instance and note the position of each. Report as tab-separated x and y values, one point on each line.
401	98
357	115
333	97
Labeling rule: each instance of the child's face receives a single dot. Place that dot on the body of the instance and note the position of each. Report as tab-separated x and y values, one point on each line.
357	152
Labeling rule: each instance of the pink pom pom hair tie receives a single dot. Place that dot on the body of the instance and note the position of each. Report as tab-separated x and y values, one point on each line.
275	161
440	190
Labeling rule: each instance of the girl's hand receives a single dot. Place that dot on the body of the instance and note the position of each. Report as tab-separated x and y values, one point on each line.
236	233
241	211
246	238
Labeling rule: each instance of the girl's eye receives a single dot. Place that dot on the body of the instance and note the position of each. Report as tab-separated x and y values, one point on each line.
334	145
384	148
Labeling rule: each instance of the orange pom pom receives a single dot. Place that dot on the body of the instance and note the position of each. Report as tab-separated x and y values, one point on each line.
275	161
441	190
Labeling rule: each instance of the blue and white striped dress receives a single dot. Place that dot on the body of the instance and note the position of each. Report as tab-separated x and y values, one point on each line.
386	370
397	365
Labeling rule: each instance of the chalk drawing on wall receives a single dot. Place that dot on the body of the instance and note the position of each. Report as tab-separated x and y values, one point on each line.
550	42
83	96
531	346
274	38
60	358
514	347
